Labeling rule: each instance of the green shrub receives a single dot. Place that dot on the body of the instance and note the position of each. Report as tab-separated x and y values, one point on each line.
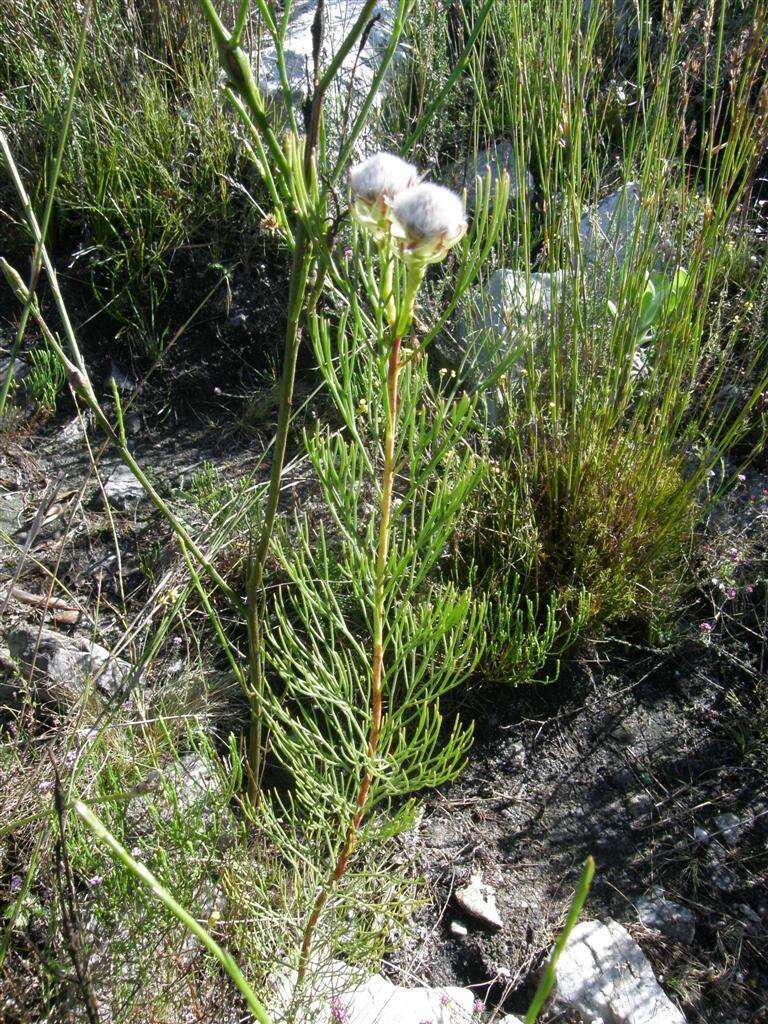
150	163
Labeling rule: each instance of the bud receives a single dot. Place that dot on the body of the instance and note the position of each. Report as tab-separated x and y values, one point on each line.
426	222
375	182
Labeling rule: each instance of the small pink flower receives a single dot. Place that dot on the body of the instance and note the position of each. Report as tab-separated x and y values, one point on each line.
730	593
705	627
741	478
338	1012
478	1006
749	588
217	391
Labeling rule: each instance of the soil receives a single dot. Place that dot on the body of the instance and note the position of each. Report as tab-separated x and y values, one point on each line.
623	759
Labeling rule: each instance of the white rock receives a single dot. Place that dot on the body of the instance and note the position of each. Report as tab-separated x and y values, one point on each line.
608	232
730	827
479	900
123	489
358	69
64	666
337	993
72	433
670	919
499	319
458	929
603	972
510	1019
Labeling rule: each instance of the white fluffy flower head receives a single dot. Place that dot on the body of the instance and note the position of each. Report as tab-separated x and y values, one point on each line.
375	182
426	222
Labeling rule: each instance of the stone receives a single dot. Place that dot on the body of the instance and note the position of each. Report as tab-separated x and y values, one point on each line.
730	827
336	992
357	70
458	929
9	691
11	510
701	835
479	901
666	918
19	370
607	233
497	320
72	433
63	667
752	920
12	506
123	489
723	878
510	1019
639	804
122	381
603	973
499	156
193	779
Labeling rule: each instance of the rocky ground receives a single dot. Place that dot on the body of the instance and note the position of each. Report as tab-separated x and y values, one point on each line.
650	760
644	761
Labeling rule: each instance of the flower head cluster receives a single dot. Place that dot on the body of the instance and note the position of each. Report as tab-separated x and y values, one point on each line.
427	221
423	220
375	182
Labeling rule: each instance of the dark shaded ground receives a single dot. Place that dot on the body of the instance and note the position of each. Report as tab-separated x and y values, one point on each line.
622	759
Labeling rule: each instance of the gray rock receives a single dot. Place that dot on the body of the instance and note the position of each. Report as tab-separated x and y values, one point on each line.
9	691
336	992
72	433
752	920
11	509
639	804
64	667
609	233
122	381
499	319
193	780
701	835
604	973
722	877
19	370
500	156
730	827
667	918
123	489
479	901
357	71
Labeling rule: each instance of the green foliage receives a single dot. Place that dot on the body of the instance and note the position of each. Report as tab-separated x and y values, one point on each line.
649	368
150	161
46	377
